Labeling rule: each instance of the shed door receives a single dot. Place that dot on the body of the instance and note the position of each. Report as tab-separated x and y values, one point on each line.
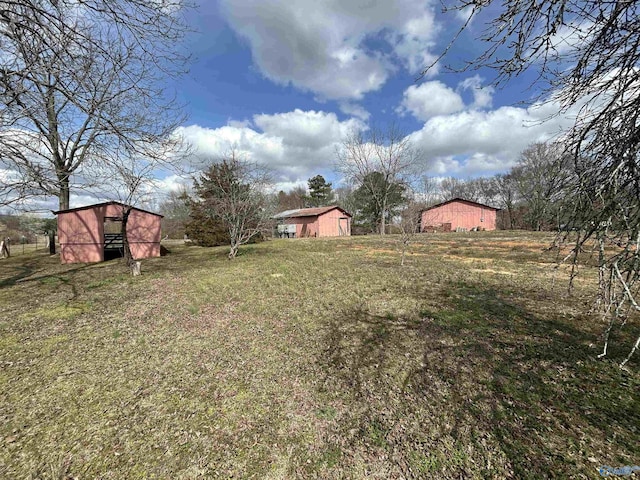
343	226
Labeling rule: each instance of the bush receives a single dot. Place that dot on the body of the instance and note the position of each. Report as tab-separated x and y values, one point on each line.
206	231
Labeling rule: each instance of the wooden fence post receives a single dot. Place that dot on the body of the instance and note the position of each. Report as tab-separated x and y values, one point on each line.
4	248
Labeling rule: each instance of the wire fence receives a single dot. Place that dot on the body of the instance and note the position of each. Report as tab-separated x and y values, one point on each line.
24	246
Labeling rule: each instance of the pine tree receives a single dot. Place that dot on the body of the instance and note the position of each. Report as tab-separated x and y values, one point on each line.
320	192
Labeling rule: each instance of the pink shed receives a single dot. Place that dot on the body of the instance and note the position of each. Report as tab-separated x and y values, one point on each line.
85	233
458	213
330	221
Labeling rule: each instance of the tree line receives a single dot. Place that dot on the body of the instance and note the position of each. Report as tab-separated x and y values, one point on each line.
384	187
531	194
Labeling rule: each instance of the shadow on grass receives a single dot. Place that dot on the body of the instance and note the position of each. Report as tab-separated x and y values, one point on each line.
23	271
27	270
481	388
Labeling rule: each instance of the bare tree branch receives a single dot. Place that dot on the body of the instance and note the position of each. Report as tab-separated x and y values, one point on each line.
80	79
587	58
387	153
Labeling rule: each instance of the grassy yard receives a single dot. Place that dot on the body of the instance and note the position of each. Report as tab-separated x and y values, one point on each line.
313	359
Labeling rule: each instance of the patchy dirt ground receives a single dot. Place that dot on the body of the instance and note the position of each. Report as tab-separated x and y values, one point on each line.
313	359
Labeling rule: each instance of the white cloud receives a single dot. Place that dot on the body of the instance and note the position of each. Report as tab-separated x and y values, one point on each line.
415	41
238	123
355	110
465	14
171	183
288	186
430	99
324	47
475	142
305	129
295	145
482	95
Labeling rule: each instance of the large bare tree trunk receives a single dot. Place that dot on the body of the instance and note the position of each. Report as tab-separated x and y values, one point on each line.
128	257
63	199
51	241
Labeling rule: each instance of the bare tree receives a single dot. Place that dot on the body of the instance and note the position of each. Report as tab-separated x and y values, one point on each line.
4	248
235	192
451	188
410	219
428	190
364	157
291	200
587	59
80	80
506	193
130	181
542	176
487	191
175	209
346	198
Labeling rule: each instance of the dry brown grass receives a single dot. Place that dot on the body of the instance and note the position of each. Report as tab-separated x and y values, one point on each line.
312	359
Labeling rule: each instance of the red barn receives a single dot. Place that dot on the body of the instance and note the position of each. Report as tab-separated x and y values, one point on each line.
458	214
86	234
330	221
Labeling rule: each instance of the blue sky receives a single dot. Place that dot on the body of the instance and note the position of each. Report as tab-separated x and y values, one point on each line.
285	81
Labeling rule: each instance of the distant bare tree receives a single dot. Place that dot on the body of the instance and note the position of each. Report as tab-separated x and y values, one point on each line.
291	200
586	59
487	191
388	153
451	188
428	190
80	80
133	179
541	176
506	193
346	198
4	248
129	180
175	209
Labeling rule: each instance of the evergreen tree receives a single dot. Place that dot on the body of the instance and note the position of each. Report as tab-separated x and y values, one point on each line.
231	204
320	192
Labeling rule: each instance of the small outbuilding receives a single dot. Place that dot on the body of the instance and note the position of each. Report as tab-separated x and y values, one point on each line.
458	215
331	221
91	233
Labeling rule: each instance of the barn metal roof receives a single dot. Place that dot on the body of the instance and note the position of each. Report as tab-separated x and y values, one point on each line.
458	199
87	207
309	212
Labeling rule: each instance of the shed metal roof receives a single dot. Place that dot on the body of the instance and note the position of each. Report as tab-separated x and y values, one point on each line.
87	207
308	212
458	199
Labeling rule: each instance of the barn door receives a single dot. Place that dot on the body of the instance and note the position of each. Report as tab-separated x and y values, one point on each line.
113	241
